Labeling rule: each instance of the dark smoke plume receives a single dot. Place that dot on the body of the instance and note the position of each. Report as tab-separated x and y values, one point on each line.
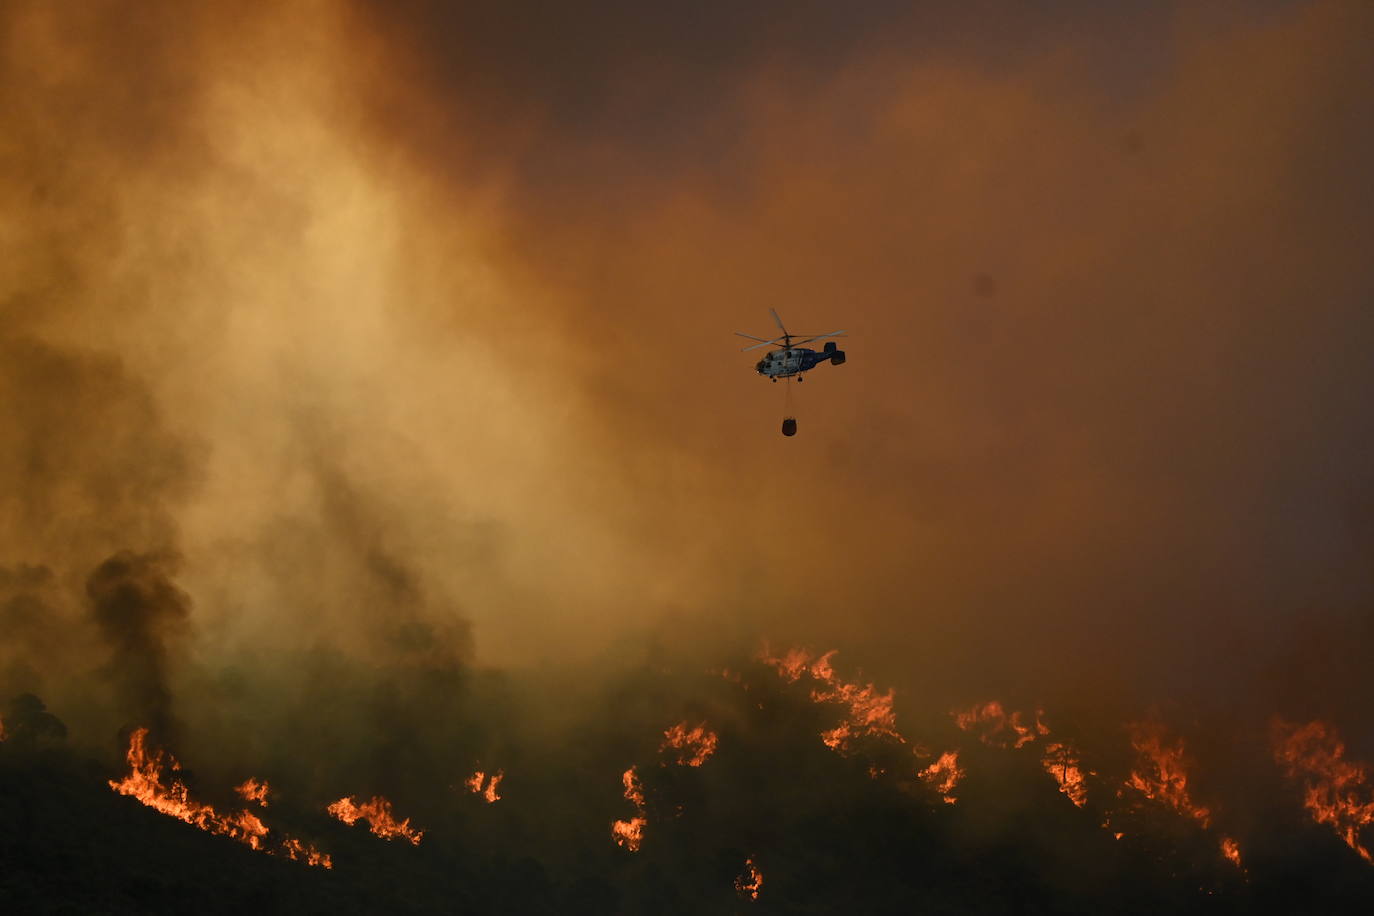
141	612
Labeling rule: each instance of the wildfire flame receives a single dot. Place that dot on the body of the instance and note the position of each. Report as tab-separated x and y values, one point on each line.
297	851
1061	761
998	729
1337	791
3	735
379	818
693	747
474	784
943	775
251	790
1230	850
1162	772
749	883
145	783
631	833
868	712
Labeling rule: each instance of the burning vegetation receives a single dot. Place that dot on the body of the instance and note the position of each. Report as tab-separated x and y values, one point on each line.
943	775
748	884
1161	773
479	783
867	713
630	833
1336	791
252	790
377	813
689	747
994	727
1061	761
147	781
888	791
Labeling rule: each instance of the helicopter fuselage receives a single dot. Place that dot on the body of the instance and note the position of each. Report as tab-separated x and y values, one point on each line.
787	362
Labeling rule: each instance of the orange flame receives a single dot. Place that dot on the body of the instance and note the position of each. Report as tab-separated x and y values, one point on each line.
868	712
693	746
631	833
379	818
790	666
749	883
943	775
997	728
1061	761
145	783
1230	850
1337	790
474	784
251	790
1162	773
297	851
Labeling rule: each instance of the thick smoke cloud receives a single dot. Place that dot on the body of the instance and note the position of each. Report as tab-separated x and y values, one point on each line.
141	613
1106	279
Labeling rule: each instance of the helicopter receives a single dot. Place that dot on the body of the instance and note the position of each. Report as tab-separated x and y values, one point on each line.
788	359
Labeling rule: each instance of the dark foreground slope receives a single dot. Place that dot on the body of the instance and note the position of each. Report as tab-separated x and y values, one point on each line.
829	832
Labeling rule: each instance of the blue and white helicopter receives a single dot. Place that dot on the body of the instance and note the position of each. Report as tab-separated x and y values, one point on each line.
789	359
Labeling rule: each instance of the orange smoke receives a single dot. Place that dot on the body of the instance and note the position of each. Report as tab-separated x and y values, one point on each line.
943	775
251	790
998	729
1162	771
749	883
1061	761
145	783
379	818
474	785
631	833
1337	791
868	713
693	747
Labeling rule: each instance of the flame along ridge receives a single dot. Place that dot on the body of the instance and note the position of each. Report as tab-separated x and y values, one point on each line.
377	812
147	783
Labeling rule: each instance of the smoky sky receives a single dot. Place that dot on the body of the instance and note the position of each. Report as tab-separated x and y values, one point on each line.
424	313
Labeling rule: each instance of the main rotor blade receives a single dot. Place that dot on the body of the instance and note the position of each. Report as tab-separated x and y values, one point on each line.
822	337
766	343
779	321
751	337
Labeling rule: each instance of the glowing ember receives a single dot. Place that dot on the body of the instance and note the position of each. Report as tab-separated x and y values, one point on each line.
943	775
3	735
1230	850
145	783
251	790
474	784
1162	772
1061	762
631	833
749	883
998	729
379	818
1337	790
692	747
868	713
